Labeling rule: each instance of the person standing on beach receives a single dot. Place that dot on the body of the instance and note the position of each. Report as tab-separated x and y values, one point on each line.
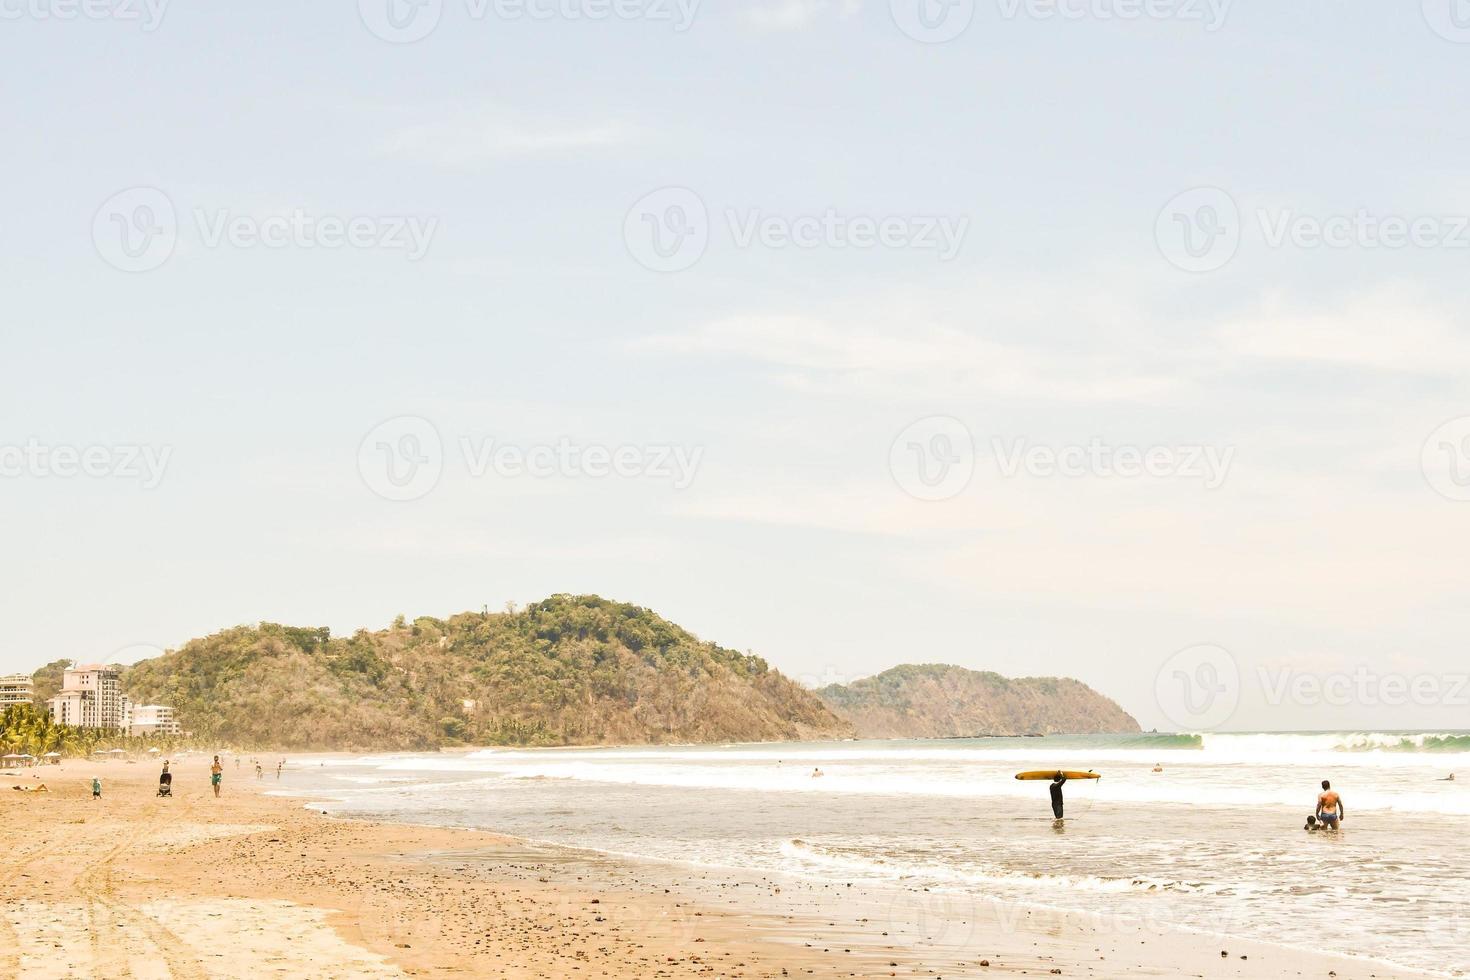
216	773
1056	794
1330	810
96	788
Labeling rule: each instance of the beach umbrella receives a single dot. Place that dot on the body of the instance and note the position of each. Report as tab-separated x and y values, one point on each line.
118	752
52	755
153	751
11	756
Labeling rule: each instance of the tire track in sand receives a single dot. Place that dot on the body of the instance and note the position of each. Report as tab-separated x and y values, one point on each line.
115	925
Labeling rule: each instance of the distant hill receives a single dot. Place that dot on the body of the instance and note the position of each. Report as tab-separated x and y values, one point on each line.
568	670
943	701
47	680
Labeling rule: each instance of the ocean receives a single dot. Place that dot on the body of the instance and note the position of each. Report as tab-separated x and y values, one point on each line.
1213	843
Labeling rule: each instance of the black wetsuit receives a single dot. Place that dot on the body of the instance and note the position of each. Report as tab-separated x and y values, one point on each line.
1056	797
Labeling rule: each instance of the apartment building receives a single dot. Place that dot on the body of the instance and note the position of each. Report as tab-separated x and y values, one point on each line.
90	697
16	689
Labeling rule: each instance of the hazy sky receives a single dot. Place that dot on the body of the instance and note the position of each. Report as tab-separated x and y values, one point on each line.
1037	338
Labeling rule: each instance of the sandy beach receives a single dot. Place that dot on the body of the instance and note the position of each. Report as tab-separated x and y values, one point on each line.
252	885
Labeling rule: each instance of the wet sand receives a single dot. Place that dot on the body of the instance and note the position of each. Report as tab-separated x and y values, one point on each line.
251	885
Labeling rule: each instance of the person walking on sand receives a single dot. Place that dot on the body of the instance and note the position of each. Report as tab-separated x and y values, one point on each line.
96	788
1056	794
216	773
1330	810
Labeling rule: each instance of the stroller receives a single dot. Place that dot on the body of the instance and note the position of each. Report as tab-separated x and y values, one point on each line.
166	783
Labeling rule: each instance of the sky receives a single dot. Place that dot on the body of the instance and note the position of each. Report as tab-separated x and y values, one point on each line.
1114	339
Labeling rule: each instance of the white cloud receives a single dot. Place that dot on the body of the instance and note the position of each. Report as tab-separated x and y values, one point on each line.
898	355
479	136
1389	329
795	15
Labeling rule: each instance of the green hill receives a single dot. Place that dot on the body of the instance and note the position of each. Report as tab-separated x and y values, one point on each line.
568	670
944	701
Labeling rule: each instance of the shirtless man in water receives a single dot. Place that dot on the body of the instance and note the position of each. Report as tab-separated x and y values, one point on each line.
1330	810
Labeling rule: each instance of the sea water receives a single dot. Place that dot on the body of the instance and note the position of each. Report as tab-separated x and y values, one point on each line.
1213	843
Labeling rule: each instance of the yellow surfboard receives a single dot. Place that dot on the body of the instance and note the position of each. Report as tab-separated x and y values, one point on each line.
1052	773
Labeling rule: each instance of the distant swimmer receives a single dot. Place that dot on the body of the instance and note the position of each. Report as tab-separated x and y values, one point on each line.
1448	779
1159	767
817	773
1056	794
1330	809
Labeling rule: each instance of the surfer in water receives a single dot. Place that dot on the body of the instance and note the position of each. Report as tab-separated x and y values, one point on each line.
1330	811
1056	794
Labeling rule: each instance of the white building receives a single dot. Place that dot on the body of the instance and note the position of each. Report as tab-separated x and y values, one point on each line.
90	697
16	689
151	719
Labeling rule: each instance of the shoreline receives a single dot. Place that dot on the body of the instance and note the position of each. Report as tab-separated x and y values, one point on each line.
258	883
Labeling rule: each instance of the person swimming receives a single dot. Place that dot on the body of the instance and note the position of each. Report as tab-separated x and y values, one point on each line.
1330	809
